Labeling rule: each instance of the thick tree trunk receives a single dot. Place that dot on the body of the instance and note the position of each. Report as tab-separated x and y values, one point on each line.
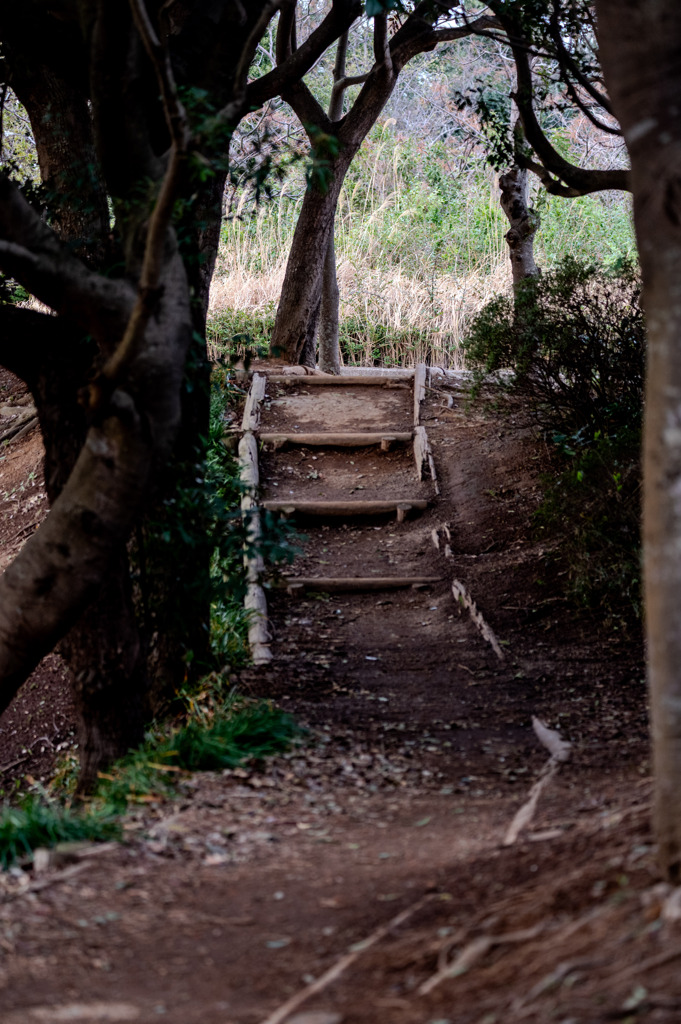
62	130
328	338
299	306
109	681
640	47
524	222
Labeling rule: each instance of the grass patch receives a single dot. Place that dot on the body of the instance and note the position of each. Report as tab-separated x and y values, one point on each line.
38	822
217	735
219	732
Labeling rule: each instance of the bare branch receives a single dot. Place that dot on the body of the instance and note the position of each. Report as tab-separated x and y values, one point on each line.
417	35
338	88
285	44
307	108
587	110
579	180
292	70
350	80
566	61
382	54
31	252
258	30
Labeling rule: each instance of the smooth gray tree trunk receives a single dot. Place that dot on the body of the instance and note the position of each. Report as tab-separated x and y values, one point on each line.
640	47
524	222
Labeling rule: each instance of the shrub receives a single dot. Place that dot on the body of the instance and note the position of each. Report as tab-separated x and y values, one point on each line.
574	342
573	346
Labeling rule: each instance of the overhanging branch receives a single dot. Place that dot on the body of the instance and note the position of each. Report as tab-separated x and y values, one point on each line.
31	252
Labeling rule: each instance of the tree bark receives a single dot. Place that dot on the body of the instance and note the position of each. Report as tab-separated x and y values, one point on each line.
328	337
298	312
524	223
640	47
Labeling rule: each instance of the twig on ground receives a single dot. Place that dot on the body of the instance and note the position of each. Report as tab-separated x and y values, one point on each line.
286	1009
475	951
560	752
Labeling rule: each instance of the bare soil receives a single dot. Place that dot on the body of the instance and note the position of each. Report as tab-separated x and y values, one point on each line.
377	847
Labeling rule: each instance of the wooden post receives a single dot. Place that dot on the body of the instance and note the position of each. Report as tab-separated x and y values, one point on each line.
419	391
255	601
423	456
251	417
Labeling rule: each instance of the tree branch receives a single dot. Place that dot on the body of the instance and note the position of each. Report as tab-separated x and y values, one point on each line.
579	180
566	60
417	35
382	54
31	252
284	76
27	338
306	107
285	44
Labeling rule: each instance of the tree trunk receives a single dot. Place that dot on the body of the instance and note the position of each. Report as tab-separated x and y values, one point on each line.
327	330
524	223
299	306
329	348
639	49
104	653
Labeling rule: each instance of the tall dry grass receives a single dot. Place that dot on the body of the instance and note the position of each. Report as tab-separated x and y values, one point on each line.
398	304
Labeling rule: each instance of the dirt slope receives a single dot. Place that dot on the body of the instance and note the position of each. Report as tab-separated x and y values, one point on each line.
244	892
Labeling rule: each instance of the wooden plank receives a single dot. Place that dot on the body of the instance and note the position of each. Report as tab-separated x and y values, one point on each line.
341	440
346	508
251	417
344	380
352	584
423	456
463	596
255	601
419	390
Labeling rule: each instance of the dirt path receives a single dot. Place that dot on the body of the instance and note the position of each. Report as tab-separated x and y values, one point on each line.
225	904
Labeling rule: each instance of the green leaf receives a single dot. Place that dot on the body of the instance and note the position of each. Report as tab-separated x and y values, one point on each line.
376	7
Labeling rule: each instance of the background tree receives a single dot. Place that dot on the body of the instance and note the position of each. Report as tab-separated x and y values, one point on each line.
335	142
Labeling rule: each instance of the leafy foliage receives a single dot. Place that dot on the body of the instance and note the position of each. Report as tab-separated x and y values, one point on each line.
219	732
574	340
574	348
37	822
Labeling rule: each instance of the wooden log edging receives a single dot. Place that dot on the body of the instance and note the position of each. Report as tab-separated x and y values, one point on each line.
251	417
255	601
423	456
464	597
335	380
419	391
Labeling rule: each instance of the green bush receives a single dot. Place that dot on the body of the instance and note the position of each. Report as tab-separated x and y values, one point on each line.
573	346
573	341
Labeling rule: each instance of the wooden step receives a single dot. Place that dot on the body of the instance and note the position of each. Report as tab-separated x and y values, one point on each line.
353	584
346	439
343	380
401	506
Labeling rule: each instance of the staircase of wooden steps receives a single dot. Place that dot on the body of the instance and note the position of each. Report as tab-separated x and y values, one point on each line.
336	416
